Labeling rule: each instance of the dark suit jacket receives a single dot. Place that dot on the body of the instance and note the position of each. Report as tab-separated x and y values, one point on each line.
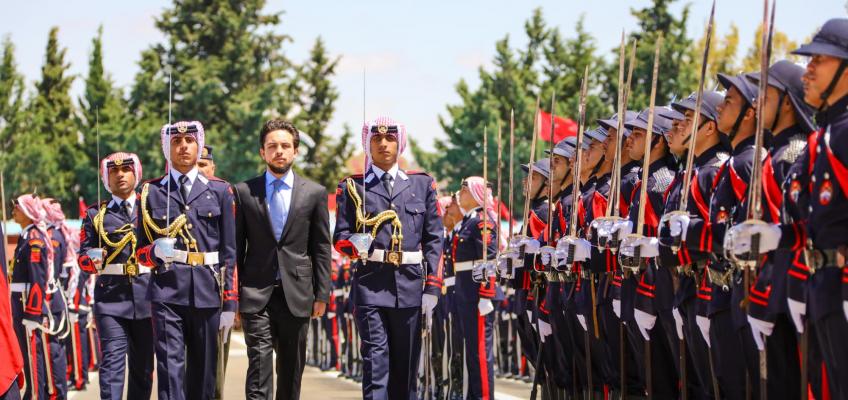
302	254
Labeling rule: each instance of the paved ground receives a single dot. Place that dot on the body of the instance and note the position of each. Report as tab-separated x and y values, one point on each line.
317	385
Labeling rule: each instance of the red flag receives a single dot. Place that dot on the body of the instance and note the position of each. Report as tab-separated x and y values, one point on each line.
563	127
13	365
82	208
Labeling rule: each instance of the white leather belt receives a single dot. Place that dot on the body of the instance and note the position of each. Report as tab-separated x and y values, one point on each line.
466	265
195	259
407	257
338	292
124	269
449	281
18	287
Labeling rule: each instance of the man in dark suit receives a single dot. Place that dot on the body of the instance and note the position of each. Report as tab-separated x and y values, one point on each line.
284	253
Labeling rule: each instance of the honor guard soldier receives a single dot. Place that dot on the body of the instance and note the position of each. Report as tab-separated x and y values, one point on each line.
647	293
186	233
206	164
60	240
689	266
535	188
727	332
397	240
79	311
31	276
789	120
825	237
475	295
455	374
121	309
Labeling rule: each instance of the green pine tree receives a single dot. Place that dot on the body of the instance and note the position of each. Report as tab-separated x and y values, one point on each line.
48	158
323	161
101	108
548	62
11	107
228	71
678	73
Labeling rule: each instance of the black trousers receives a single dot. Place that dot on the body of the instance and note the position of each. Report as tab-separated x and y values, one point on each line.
274	329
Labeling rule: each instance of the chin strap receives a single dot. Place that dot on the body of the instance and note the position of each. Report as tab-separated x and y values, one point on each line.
833	81
735	129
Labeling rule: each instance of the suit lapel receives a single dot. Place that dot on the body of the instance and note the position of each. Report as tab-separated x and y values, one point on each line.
261	196
295	202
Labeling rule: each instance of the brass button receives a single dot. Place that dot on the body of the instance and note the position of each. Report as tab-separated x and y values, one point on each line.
187	208
189	226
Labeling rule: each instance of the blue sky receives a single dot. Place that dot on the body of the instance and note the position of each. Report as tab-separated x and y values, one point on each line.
414	52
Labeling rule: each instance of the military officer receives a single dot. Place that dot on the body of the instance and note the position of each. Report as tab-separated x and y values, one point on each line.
31	276
824	234
398	272
187	235
475	298
121	309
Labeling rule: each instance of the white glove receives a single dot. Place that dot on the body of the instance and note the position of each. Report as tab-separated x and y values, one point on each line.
163	248
678	225
485	306
678	322
761	330
624	227
531	246
331	315
741	237
616	308
503	271
582	249
649	246
428	303
73	317
30	326
547	252
544	330
603	227
797	310
704	326
228	318
645	321
845	308
582	320
96	255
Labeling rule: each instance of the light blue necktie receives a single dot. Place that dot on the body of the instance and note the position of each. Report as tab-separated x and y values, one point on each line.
278	208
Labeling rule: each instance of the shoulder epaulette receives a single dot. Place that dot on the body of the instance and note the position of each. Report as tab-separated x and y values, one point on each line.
414	172
720	157
151	180
793	150
662	179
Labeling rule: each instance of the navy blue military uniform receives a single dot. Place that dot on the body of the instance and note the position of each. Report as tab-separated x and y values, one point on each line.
121	308
824	176
735	354
386	296
29	287
189	294
477	330
57	359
